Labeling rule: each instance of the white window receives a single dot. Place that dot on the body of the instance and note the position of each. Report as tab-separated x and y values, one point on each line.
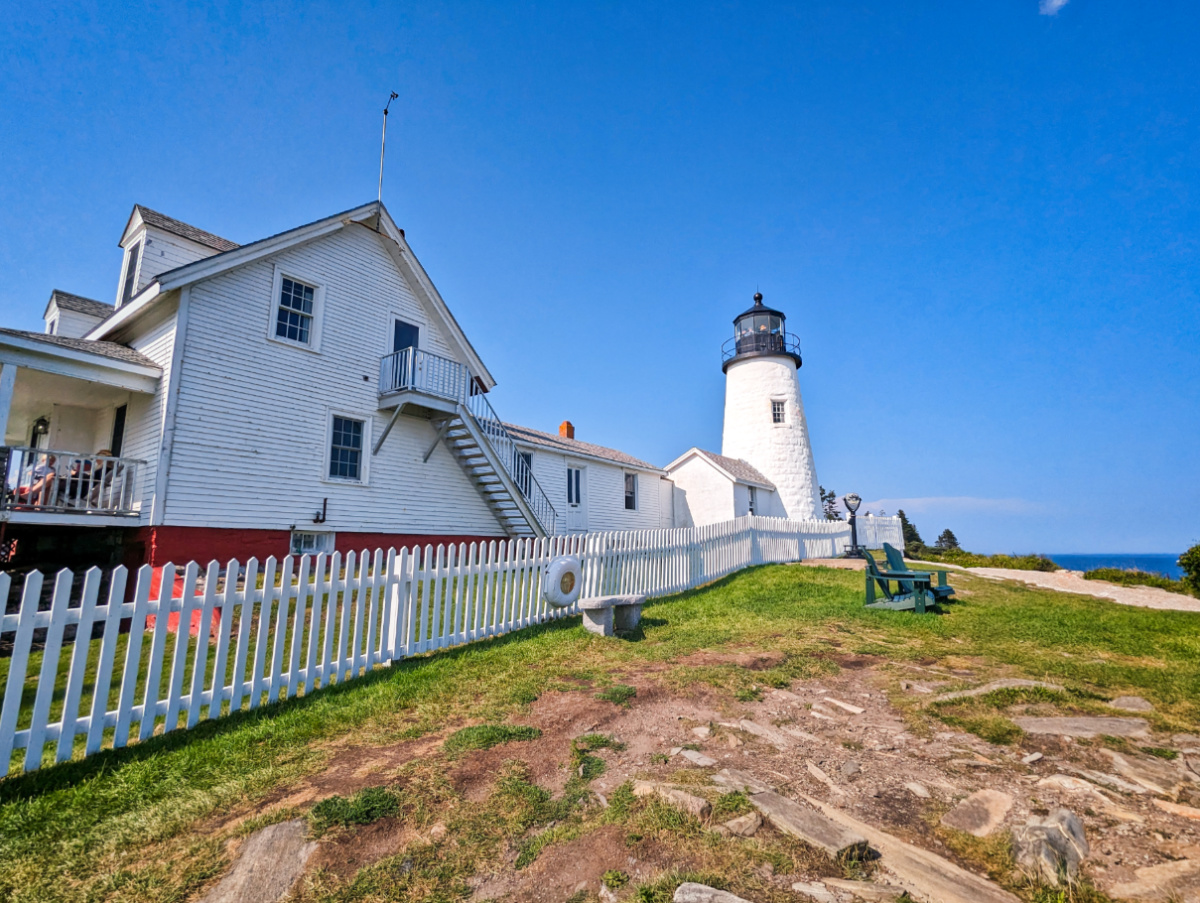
753	499
296	311
311	542
631	492
131	265
348	438
778	412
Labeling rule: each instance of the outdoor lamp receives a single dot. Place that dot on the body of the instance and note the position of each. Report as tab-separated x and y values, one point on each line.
852	501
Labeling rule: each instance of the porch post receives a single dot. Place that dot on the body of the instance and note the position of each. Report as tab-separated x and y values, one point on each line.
8	379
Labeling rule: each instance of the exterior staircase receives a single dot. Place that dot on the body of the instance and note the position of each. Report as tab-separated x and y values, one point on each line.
474	434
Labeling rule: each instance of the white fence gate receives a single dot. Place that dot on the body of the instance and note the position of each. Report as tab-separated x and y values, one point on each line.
279	628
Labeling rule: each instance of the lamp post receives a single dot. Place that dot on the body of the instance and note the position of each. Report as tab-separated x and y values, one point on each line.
852	501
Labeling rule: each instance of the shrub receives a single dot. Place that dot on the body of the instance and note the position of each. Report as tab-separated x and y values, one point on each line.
1137	578
618	694
1189	563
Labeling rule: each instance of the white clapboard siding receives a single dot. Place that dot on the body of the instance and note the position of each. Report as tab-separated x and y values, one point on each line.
293	626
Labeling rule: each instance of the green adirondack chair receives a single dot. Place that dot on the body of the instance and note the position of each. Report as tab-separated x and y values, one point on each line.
941	591
917	598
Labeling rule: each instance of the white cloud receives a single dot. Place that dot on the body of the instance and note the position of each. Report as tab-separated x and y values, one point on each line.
1051	7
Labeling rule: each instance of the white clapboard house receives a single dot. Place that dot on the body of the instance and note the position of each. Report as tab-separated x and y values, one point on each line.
308	391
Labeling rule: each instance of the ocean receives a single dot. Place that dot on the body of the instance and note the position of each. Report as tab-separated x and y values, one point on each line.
1155	564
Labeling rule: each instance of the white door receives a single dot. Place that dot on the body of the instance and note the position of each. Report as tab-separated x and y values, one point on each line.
576	499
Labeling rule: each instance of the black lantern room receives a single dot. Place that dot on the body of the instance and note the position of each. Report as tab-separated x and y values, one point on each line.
759	332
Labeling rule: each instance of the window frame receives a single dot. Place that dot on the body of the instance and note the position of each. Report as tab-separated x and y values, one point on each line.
318	313
364	469
752	500
129	273
779	418
329	536
391	338
628	476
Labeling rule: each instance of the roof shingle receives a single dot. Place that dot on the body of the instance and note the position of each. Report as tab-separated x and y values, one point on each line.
104	349
80	304
574	446
176	227
737	468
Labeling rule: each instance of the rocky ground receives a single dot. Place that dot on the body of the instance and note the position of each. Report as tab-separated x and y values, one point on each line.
859	743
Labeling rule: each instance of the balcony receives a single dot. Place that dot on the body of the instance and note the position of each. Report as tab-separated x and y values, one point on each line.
40	483
413	377
759	344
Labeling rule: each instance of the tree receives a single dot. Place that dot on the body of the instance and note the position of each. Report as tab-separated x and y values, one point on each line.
829	504
1189	563
947	540
909	529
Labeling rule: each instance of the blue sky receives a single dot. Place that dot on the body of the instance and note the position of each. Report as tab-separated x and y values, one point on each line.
980	217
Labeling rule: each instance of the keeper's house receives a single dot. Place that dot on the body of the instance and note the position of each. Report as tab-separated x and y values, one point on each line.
309	391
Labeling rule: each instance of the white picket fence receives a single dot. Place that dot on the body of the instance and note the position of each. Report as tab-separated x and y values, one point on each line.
278	629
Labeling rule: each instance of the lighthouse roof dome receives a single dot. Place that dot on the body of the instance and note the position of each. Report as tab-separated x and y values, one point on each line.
760	308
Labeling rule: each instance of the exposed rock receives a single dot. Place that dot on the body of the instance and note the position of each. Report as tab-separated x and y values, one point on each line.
744	825
845	706
606	895
1108	780
865	890
772	736
1031	758
815	891
1177	809
792	731
1082	787
1084	726
739	780
271	860
698	758
437	832
851	768
1005	684
825	779
980	814
1167	881
809	826
1132	704
690	892
680	799
934	877
703	731
1051	848
1156	775
917	790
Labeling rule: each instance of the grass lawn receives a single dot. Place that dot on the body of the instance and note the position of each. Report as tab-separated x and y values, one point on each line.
135	825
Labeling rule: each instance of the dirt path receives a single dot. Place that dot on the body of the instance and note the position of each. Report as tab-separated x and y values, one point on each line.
1073	582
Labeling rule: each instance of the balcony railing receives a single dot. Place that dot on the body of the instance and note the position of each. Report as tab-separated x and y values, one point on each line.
421	371
412	368
63	482
761	343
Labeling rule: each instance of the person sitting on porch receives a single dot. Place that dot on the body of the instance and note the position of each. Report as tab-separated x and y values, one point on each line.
42	480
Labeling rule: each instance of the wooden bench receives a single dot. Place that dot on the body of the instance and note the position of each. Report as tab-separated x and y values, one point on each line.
605	615
917	597
942	591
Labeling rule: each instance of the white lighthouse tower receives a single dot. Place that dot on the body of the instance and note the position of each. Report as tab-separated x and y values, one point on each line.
764	414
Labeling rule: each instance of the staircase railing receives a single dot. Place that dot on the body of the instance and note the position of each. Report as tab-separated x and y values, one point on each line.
514	463
421	371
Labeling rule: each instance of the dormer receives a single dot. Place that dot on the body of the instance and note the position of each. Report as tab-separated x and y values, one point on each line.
154	243
74	316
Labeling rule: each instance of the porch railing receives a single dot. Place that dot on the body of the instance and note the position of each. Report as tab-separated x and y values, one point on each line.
421	371
47	480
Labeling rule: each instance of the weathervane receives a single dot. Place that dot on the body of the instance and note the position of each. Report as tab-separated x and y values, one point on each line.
383	146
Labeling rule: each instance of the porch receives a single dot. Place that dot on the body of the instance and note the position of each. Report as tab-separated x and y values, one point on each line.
67	410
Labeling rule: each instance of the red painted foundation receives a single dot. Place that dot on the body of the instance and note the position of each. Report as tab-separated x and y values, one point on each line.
159	546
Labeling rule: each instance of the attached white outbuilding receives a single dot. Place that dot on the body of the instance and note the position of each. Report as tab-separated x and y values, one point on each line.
711	488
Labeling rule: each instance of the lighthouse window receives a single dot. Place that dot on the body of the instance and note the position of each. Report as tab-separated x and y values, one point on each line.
778	412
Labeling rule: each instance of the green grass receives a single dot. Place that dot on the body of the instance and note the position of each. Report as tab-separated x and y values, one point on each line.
366	806
485	736
618	694
129	825
975	560
1134	577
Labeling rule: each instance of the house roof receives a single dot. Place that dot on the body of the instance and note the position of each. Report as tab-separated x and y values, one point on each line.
735	468
372	216
110	350
182	229
79	304
575	447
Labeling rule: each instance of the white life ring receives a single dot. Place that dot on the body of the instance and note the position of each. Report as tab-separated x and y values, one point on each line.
563	581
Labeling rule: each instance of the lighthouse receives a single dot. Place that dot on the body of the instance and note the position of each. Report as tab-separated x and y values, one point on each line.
764	414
